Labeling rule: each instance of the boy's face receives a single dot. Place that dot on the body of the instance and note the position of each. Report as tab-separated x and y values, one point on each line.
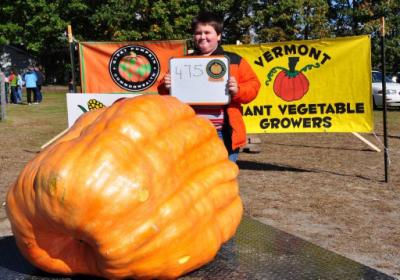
206	38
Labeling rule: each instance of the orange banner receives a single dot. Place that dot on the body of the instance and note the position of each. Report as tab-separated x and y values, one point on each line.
126	67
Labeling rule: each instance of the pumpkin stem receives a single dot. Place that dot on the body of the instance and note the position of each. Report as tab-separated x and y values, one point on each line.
272	72
292	63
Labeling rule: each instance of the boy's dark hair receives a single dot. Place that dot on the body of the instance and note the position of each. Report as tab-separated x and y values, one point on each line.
209	18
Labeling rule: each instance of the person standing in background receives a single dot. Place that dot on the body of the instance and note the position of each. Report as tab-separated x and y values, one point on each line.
20	84
30	78
39	83
13	80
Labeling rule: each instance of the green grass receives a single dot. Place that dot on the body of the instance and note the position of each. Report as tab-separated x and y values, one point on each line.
34	125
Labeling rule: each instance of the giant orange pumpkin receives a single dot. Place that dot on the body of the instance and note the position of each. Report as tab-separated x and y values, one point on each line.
141	189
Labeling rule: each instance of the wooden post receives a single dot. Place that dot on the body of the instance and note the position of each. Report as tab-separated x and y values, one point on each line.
385	138
52	140
375	148
3	95
71	54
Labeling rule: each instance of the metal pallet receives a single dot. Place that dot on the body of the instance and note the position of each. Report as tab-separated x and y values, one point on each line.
257	251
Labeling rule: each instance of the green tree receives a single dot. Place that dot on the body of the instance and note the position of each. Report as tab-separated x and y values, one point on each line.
312	20
363	17
275	20
390	10
291	20
237	16
142	20
39	26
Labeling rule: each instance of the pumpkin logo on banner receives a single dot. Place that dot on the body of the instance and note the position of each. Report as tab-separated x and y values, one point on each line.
134	68
290	84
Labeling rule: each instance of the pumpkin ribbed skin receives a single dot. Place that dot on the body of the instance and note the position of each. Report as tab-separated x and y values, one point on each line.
141	189
290	88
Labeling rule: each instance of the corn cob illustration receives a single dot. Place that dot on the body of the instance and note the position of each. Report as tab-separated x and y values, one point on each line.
94	104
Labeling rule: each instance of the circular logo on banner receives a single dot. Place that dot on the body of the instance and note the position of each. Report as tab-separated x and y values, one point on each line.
216	68
134	68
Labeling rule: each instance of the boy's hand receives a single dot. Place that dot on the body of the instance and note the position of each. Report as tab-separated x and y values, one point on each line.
167	81
233	86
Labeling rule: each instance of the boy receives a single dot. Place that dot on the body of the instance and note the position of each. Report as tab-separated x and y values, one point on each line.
243	84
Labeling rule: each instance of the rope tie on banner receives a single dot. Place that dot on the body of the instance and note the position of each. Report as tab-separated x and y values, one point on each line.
386	150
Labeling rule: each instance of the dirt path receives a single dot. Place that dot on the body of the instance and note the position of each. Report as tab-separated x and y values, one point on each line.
328	189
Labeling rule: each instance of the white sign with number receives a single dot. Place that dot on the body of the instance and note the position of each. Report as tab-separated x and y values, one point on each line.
200	80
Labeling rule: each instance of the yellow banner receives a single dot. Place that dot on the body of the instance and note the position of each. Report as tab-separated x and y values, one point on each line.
310	86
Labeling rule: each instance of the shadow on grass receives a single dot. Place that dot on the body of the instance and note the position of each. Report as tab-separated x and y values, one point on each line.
250	165
32	152
323	147
389	136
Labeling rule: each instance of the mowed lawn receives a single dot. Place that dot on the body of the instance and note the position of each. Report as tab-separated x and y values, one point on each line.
22	133
33	125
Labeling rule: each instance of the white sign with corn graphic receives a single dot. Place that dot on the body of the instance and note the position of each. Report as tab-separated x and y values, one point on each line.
78	103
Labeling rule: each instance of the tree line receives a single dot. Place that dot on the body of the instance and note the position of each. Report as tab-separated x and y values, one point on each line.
39	26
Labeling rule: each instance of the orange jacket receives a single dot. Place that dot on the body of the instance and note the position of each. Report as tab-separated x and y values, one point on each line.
248	88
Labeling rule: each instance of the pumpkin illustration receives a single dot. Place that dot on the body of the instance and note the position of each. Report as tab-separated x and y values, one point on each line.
134	68
290	84
140	189
216	68
290	88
